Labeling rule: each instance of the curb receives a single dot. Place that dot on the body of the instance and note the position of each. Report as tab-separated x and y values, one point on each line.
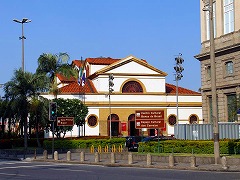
217	169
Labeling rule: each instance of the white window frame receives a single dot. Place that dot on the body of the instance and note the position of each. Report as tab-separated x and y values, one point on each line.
228	14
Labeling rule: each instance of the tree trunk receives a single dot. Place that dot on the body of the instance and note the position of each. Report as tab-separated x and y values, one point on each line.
21	127
25	136
37	135
3	127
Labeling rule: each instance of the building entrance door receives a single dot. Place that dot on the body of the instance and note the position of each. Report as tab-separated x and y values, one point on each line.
115	131
132	131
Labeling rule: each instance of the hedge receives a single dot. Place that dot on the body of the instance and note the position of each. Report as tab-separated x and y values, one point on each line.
190	146
81	143
19	142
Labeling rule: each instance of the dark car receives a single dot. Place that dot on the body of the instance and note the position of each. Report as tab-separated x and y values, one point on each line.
132	142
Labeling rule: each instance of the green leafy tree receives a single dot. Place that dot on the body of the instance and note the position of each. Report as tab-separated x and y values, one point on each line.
52	64
3	113
70	108
22	87
38	115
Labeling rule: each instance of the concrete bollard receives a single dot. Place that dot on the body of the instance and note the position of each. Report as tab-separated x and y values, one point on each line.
224	162
113	158
149	159
171	160
45	155
97	157
82	156
56	156
69	156
193	161
130	158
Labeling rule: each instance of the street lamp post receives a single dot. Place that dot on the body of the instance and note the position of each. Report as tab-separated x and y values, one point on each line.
208	6
24	20
178	76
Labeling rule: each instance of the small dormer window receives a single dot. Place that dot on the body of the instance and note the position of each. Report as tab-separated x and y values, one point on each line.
132	87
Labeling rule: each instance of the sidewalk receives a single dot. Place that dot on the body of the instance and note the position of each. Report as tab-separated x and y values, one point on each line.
121	160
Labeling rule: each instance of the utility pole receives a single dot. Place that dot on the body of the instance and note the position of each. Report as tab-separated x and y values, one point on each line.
208	6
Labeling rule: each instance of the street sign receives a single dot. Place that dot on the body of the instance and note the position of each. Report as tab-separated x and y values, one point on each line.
150	119
65	121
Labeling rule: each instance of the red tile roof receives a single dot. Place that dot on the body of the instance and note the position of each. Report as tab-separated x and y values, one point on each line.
96	61
101	60
65	79
74	88
171	89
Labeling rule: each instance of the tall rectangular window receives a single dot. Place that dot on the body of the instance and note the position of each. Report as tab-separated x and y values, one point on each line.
214	21
232	107
208	72
228	10
229	68
210	109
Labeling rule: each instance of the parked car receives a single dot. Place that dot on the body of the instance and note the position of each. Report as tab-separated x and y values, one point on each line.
132	142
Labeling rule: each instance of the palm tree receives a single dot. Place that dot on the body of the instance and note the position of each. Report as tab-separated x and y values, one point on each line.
22	87
38	114
53	64
6	113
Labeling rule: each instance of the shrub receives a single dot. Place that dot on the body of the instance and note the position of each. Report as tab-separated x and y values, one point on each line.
82	143
191	146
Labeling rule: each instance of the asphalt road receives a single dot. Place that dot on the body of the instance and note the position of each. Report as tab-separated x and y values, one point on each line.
12	170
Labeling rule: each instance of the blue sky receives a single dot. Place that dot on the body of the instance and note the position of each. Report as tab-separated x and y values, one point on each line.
155	30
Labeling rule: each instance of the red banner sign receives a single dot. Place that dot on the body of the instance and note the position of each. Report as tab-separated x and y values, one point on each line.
124	126
151	119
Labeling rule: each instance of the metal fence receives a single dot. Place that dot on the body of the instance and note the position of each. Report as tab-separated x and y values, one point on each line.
205	131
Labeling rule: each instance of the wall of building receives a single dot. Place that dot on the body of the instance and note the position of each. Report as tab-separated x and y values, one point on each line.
227	49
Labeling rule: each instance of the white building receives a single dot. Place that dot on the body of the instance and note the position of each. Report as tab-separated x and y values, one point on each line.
137	86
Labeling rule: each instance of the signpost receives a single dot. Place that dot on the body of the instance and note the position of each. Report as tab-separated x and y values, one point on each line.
150	119
65	121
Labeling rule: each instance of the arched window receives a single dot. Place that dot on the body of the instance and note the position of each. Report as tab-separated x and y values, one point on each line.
132	87
172	120
193	119
92	121
132	131
131	117
114	117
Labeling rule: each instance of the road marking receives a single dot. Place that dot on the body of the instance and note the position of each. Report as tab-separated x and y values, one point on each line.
32	166
52	166
6	174
69	170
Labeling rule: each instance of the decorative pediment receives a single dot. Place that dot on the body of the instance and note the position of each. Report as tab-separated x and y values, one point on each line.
131	66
